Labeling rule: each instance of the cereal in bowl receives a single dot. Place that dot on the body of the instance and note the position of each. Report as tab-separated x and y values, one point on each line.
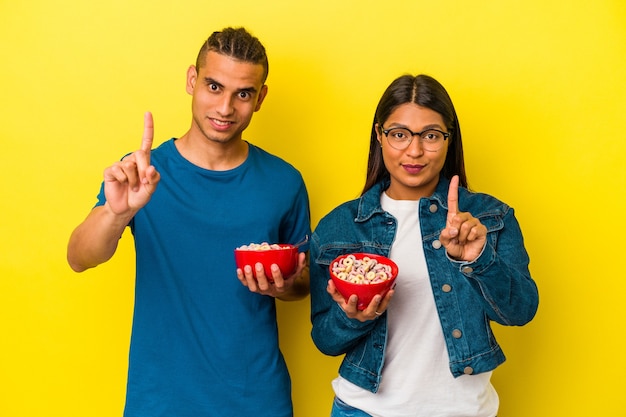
260	246
361	271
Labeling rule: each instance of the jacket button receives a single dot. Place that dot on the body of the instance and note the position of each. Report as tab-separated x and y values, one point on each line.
436	244
467	270
456	333
446	288
468	370
433	208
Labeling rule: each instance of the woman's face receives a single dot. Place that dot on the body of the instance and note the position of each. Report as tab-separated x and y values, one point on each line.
414	172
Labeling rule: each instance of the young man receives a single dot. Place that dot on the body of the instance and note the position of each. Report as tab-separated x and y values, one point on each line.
202	343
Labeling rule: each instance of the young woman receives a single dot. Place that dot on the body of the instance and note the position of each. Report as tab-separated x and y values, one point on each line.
426	348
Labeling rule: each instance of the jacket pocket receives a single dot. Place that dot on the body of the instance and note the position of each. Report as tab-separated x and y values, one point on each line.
494	223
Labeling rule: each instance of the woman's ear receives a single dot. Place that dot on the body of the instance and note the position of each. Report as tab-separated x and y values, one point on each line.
378	135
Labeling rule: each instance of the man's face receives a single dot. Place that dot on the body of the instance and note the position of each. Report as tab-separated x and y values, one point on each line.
226	93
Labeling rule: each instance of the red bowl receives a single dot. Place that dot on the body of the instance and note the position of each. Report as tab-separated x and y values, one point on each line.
365	292
286	258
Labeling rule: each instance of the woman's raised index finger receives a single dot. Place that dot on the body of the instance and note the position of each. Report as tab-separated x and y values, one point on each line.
453	195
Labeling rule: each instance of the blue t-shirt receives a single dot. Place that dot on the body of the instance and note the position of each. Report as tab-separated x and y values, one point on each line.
202	344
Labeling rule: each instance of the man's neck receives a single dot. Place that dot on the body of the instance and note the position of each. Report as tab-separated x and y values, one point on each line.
212	155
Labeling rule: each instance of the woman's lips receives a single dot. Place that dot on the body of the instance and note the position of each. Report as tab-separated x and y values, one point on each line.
413	168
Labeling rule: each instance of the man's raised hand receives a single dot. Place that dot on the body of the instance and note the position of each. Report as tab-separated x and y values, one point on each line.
129	183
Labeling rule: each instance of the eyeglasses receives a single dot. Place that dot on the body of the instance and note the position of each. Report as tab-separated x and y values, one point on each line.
400	138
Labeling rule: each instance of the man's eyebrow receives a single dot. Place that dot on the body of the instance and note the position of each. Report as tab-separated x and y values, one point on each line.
251	90
209	80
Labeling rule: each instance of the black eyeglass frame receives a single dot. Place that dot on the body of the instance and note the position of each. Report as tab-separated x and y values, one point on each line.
446	135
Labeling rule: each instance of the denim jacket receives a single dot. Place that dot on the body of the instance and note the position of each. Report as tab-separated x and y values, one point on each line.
469	295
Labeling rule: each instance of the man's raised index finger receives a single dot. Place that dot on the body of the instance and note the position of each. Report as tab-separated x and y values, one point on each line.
148	133
453	195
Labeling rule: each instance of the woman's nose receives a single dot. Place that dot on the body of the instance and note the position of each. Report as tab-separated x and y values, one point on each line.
415	147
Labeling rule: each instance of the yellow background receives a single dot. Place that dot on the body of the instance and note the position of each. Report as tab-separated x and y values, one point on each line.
540	90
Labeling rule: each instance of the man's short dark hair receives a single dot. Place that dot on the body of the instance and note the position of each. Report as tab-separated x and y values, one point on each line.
236	43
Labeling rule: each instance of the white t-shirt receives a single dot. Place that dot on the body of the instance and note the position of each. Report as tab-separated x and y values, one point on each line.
416	378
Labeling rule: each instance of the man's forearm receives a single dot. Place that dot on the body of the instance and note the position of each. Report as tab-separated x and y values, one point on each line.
95	240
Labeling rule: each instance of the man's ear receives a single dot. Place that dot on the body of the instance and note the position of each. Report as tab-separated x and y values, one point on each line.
192	77
261	97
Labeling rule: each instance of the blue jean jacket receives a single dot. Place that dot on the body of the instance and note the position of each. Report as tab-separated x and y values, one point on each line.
469	295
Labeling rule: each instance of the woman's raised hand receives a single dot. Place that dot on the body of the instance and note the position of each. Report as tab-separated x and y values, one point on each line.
464	235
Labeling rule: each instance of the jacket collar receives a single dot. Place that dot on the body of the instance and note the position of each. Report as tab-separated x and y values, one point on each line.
369	203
